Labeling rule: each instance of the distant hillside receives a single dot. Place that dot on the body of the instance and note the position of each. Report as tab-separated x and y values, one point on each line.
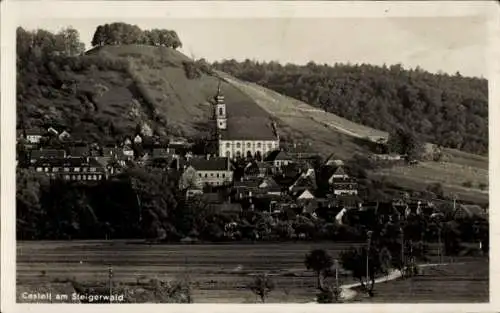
450	111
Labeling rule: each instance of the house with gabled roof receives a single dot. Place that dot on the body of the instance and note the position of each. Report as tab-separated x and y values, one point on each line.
79	151
257	169
34	135
210	171
470	211
270	186
47	154
306	194
73	169
278	158
64	135
342	184
332	160
307	180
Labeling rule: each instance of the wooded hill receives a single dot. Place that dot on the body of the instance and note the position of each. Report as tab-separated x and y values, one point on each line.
448	110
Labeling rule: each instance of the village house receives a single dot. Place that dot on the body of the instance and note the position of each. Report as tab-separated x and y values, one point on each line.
51	131
46	154
78	151
138	139
210	171
279	158
342	184
34	136
257	169
64	136
333	161
306	181
71	169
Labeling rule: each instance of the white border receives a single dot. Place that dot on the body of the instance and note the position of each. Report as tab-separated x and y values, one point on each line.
11	10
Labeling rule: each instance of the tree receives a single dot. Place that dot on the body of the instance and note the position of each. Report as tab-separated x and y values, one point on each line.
69	41
320	262
355	261
405	142
436	188
30	215
261	286
99	38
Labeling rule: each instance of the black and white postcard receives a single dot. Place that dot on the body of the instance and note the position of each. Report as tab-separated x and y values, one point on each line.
253	154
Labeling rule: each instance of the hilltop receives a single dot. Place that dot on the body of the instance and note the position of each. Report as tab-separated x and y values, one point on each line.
112	91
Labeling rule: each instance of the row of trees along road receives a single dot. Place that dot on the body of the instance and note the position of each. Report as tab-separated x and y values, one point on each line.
126	34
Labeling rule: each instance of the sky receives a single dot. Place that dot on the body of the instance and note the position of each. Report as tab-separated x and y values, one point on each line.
447	44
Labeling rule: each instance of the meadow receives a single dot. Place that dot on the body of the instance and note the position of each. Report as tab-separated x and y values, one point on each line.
216	272
466	282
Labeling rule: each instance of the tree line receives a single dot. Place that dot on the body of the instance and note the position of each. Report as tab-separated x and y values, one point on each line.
147	203
127	34
40	42
448	110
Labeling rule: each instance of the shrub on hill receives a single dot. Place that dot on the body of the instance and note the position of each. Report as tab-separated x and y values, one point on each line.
448	110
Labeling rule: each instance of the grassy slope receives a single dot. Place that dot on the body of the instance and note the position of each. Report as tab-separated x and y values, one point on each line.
185	103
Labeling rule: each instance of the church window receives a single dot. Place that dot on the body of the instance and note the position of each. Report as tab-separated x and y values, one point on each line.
238	145
228	145
269	146
248	145
221	111
258	145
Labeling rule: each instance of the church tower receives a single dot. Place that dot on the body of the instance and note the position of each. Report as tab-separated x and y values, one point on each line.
220	109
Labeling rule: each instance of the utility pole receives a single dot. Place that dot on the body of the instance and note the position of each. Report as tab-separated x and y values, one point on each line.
110	276
439	245
402	248
369	239
337	274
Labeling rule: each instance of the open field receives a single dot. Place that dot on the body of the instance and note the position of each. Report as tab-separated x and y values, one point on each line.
218	273
460	282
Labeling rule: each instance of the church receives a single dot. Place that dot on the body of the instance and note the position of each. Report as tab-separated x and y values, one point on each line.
247	135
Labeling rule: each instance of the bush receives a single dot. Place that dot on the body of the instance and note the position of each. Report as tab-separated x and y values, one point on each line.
191	70
467	184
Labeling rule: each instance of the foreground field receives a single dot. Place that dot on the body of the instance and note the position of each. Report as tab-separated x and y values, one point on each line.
460	282
218	273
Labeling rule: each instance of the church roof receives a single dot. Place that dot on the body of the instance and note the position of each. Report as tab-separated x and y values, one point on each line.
248	128
246	120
